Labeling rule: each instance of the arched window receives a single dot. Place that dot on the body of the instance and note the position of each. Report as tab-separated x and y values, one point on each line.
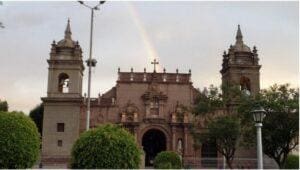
63	83
245	85
209	154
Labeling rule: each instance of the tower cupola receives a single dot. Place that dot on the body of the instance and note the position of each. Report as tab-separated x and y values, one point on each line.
67	41
239	44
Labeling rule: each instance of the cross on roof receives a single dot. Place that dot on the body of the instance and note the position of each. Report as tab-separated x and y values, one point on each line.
154	63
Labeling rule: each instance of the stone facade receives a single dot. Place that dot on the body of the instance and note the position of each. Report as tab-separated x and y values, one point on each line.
151	105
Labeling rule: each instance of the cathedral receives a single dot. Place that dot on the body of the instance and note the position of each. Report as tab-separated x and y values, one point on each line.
151	105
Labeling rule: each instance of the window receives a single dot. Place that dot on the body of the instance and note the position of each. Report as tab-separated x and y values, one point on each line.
154	107
59	143
245	85
60	127
63	83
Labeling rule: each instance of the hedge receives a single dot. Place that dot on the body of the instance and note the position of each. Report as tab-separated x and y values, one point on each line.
167	160
19	141
106	147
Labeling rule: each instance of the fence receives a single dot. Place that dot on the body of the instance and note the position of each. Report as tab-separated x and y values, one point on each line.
220	163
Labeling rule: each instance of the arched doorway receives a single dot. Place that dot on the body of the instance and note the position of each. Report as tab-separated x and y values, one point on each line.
153	141
209	154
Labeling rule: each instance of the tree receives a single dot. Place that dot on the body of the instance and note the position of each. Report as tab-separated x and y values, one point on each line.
167	160
213	99
3	106
280	130
280	127
292	162
106	147
225	131
36	115
19	141
208	100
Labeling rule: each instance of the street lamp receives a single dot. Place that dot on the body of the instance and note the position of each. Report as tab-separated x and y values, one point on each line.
258	116
90	62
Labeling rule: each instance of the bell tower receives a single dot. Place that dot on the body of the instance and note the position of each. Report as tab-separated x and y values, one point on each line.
240	66
65	67
62	105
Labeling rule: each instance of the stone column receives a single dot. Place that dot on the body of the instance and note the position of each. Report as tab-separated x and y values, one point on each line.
173	138
185	140
135	129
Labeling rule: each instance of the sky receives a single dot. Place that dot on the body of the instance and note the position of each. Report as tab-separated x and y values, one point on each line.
183	35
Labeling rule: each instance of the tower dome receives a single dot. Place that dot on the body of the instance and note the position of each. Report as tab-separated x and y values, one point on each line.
67	41
239	44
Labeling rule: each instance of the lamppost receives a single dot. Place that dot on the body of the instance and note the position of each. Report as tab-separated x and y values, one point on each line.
91	62
258	115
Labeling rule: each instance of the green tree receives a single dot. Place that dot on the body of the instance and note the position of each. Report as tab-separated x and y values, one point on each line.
36	115
292	162
281	125
167	160
3	106
19	141
226	132
213	98
208	100
106	147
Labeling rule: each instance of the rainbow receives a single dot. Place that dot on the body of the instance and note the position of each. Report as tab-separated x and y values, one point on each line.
152	54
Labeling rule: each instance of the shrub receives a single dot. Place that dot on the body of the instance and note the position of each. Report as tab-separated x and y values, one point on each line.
19	141
106	147
167	160
292	162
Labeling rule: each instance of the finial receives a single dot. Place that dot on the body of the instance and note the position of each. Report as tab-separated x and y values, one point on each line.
68	32
254	49
119	69
144	70
53	42
190	71
239	36
224	53
164	70
176	70
131	69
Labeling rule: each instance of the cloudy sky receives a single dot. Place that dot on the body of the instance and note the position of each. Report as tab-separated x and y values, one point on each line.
183	35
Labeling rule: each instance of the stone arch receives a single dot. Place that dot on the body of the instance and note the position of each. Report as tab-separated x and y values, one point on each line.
157	127
153	140
63	83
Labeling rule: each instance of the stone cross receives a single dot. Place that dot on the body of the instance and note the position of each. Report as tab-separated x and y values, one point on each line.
154	63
